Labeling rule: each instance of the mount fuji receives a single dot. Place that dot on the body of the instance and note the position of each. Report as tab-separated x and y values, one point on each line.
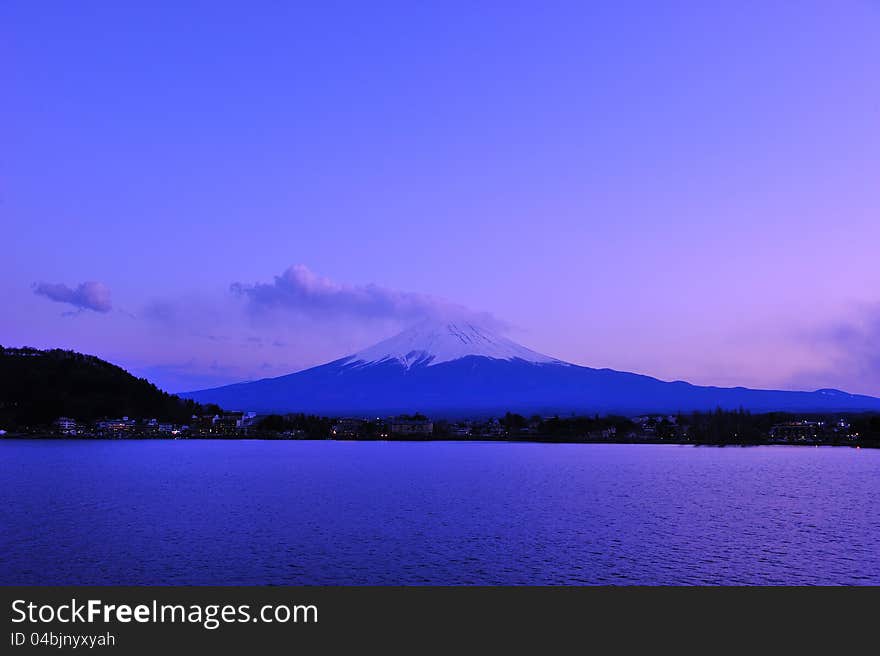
461	368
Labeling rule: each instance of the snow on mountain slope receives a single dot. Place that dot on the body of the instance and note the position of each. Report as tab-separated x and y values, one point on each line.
432	342
462	368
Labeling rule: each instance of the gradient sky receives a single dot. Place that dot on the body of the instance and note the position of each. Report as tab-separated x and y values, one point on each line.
689	190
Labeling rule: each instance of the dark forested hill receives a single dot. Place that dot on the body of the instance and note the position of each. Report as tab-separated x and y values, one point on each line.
37	386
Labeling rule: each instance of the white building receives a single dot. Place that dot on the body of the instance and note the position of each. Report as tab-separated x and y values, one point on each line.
65	425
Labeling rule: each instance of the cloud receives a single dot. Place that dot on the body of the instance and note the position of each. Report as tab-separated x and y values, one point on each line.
850	351
297	320
858	344
199	315
303	291
198	373
90	295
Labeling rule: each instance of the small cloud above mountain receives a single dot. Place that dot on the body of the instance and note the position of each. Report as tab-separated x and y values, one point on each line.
301	290
89	295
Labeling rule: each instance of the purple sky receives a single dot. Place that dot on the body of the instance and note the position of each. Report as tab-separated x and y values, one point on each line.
205	195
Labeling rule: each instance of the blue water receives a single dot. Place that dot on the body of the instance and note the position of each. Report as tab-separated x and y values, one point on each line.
251	512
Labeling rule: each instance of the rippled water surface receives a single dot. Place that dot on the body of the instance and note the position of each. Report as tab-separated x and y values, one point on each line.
251	512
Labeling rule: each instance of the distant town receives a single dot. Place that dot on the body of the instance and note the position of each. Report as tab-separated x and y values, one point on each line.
63	394
720	427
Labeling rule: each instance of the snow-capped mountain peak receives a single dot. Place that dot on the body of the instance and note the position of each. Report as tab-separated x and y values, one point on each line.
432	342
502	377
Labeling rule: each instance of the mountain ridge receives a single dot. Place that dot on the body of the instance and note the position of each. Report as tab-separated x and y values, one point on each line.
458	368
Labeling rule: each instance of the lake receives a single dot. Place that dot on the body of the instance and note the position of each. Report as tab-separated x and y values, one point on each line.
293	513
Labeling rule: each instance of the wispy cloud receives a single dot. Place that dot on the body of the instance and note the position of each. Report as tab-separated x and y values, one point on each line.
850	351
301	290
189	312
200	373
89	295
297	320
858	344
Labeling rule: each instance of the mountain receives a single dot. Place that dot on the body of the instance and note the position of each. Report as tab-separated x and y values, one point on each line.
459	368
37	387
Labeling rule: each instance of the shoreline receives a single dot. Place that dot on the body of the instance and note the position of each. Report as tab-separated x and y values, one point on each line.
26	437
